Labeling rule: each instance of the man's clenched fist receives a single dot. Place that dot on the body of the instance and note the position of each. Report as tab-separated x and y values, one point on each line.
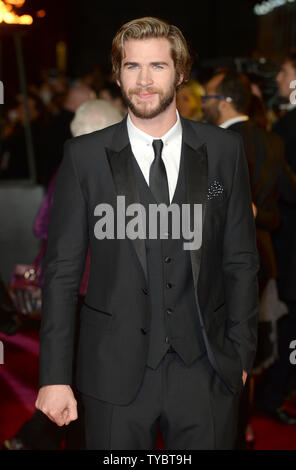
58	403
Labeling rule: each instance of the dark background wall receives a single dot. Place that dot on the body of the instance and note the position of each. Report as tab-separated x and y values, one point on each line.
212	28
277	32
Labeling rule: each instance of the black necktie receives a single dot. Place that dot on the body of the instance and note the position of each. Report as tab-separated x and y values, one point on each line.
157	176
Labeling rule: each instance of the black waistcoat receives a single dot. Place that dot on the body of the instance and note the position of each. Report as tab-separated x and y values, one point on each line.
173	313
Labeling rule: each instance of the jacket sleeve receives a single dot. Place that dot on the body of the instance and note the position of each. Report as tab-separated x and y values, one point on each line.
268	218
64	263
241	264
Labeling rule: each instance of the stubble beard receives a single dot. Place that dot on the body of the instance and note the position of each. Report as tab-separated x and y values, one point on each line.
165	99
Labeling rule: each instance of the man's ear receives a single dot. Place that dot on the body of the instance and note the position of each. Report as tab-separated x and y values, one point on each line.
118	82
222	105
181	78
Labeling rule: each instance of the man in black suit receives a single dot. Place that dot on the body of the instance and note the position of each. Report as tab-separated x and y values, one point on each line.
285	126
167	334
227	104
281	379
285	237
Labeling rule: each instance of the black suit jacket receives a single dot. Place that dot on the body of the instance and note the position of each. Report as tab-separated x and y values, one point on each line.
285	127
285	237
271	177
270	174
112	347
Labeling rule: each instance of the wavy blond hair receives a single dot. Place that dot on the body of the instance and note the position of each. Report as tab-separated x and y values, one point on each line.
146	28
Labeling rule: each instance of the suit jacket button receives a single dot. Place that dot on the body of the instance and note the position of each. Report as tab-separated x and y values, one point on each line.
167	259
144	332
145	291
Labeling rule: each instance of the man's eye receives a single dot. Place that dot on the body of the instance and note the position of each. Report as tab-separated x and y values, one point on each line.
156	66
132	66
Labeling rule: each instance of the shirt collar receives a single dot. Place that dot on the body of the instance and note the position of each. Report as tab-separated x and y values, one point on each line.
137	135
234	120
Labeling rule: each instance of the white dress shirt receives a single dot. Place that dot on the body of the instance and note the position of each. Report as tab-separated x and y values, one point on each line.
141	144
234	120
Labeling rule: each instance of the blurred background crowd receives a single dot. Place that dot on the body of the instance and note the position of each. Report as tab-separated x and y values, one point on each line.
58	84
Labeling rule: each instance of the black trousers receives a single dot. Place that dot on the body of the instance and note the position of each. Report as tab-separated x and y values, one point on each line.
40	433
192	406
279	379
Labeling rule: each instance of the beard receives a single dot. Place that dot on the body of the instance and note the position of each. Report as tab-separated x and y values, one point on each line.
143	110
211	114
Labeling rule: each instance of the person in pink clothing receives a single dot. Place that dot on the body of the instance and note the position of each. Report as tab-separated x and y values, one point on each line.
40	229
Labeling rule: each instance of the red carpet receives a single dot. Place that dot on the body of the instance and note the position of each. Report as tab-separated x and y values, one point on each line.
18	381
18	391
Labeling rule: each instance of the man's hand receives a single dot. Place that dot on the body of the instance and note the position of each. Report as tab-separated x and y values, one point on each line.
58	403
245	375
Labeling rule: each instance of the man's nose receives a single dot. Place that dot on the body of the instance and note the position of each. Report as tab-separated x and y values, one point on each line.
144	77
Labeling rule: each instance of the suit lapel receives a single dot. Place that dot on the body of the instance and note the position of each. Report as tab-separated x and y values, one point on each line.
120	161
196	174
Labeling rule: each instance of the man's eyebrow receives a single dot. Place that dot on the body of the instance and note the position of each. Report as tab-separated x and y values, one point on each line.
159	63
151	63
130	63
